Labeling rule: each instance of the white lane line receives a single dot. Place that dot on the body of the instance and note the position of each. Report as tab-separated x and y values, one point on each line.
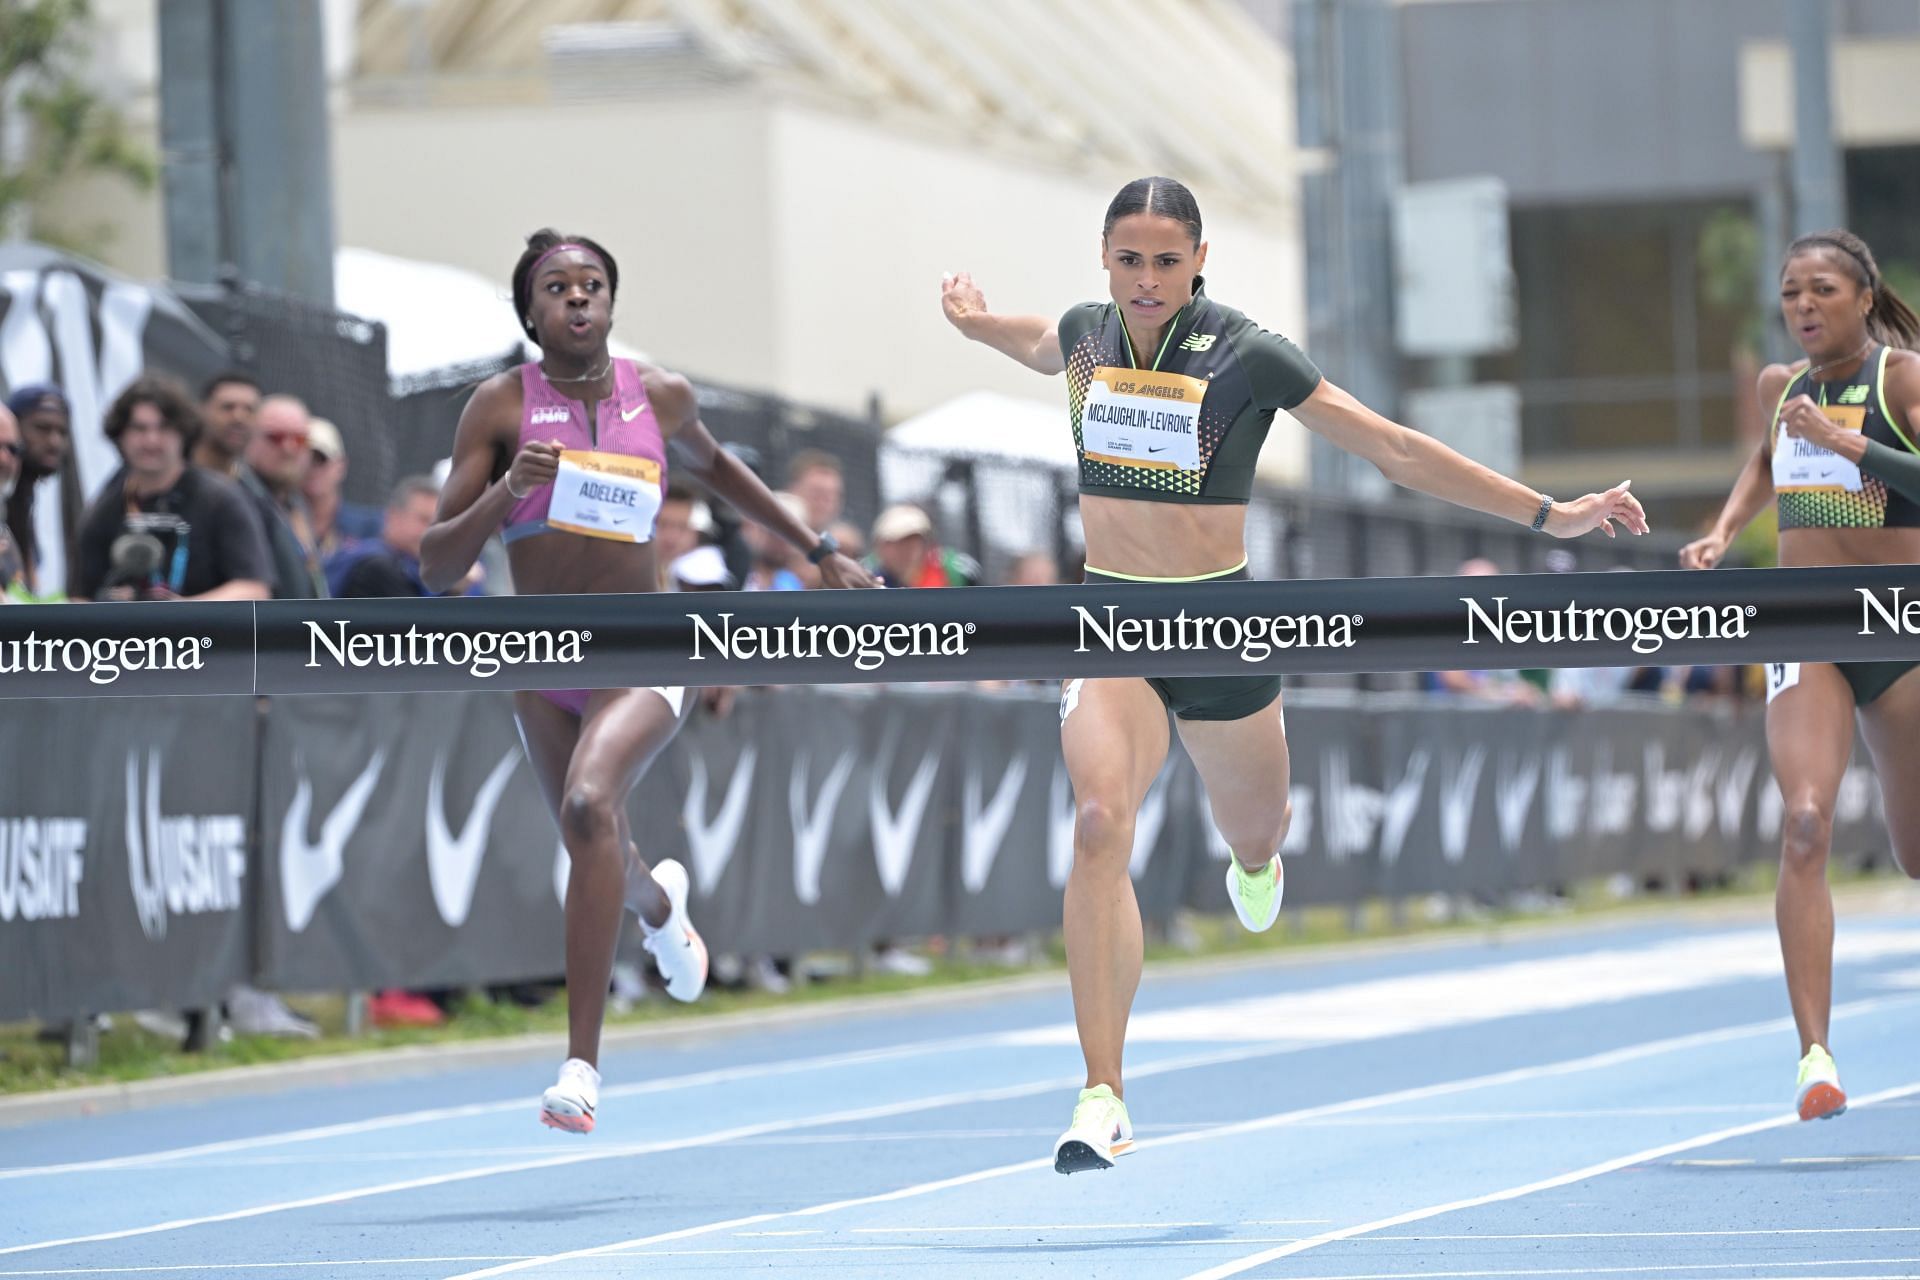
203	1267
1609	1058
734	1134
1042	1226
1665	1268
1662	1235
1544	1184
397	1120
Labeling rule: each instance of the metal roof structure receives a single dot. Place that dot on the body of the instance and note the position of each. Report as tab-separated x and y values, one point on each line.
1195	88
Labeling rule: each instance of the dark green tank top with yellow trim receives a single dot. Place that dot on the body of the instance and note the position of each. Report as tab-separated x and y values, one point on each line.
1818	489
1183	423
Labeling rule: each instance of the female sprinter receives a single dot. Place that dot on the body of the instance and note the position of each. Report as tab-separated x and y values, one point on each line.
1847	481
1168	506
579	413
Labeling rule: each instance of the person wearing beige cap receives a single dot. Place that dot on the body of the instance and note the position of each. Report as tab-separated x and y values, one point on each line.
906	553
333	524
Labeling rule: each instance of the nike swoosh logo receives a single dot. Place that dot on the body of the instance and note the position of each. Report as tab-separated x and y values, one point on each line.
1158	448
309	869
813	827
984	829
453	862
626	416
149	891
712	843
896	834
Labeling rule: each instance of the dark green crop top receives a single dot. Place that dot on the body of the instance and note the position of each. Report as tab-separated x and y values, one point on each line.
1187	424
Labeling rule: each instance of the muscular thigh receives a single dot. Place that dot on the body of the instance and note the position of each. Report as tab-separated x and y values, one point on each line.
1113	734
1810	735
1891	726
1245	767
621	732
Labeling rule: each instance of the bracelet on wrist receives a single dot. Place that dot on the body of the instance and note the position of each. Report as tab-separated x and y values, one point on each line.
507	480
1540	516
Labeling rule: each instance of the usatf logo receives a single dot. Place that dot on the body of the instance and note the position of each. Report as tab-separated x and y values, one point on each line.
541	417
42	862
1648	628
1199	342
1253	638
1903	616
869	644
179	864
482	653
1855	394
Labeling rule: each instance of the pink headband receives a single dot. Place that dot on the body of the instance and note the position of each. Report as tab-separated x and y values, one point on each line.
562	248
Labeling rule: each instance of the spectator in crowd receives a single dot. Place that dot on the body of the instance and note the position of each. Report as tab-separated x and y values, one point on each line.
40	410
390	564
683	524
817	480
229	403
162	529
13	566
336	522
906	554
1490	686
776	566
270	474
851	537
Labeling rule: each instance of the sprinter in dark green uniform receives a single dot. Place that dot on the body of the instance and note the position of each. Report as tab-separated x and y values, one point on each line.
1842	460
1172	395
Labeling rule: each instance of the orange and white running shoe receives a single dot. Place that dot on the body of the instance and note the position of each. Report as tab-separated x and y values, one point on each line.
570	1103
1820	1096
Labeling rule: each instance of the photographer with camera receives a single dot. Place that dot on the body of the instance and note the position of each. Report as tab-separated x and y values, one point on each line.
163	529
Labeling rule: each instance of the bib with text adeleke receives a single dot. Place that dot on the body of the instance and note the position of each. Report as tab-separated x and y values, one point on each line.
605	495
1801	467
1143	418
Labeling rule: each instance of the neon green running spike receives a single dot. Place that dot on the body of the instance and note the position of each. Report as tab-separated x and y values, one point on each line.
1256	896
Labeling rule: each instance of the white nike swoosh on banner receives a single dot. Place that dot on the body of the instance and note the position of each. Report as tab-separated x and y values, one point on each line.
1060	820
812	830
453	862
149	889
638	409
712	844
310	870
984	830
895	835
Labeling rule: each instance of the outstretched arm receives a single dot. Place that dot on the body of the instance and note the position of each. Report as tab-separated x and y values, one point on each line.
1032	340
472	503
1420	462
1752	491
679	412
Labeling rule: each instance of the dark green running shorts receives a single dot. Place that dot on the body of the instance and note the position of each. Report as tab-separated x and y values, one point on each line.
1205	697
1871	679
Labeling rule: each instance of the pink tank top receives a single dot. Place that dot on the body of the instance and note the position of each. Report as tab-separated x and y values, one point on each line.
626	426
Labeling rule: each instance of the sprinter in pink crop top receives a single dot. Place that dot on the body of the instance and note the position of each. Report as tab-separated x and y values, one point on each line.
569	454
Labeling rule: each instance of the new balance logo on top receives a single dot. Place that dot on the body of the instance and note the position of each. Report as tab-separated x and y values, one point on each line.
1855	394
1198	342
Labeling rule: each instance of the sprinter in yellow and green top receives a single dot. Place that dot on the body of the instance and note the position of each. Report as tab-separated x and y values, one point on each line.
1839	459
1172	395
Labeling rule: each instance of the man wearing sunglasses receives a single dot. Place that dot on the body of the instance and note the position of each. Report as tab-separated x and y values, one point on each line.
270	472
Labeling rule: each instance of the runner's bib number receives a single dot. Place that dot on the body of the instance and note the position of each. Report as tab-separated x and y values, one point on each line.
1798	465
1781	676
605	495
1141	418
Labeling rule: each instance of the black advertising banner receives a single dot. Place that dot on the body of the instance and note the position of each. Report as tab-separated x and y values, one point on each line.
126	650
403	840
1862	613
126	877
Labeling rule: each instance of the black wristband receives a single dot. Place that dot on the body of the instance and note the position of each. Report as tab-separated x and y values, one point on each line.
1540	517
827	546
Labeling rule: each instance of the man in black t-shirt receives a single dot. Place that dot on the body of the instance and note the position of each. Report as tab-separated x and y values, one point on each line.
161	529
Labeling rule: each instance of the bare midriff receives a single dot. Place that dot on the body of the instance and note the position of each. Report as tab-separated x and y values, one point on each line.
1162	539
557	564
1807	548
